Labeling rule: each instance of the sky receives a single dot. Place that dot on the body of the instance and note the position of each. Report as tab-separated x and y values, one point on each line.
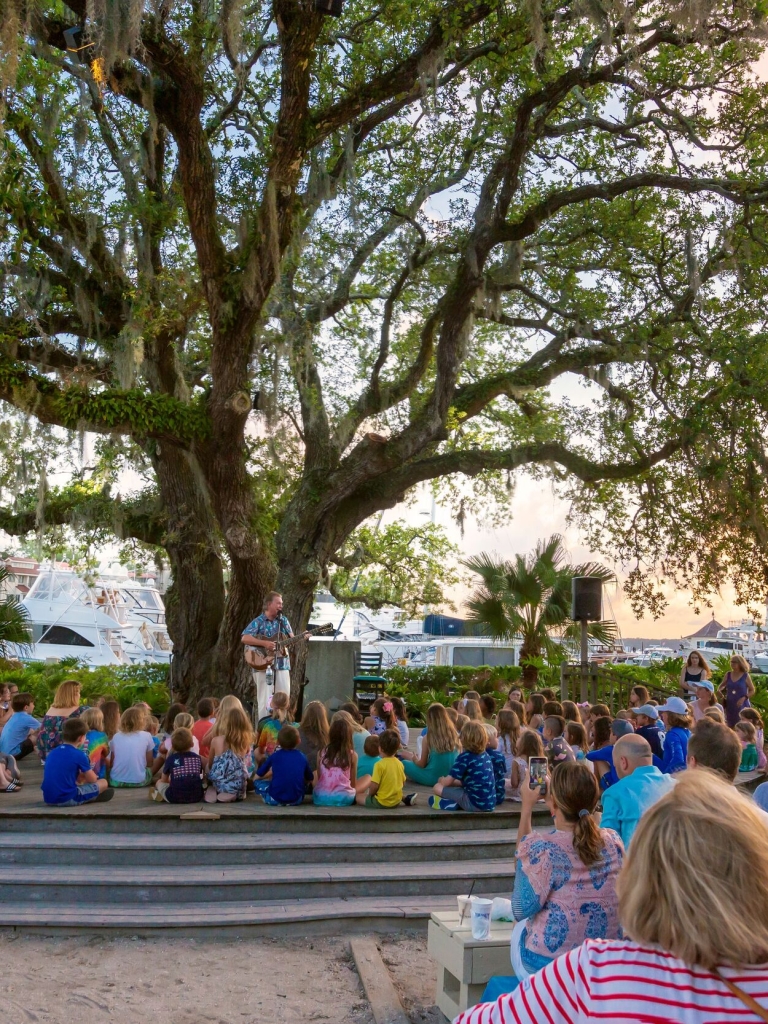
539	512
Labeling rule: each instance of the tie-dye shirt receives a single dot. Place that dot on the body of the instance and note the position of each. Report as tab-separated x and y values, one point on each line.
564	901
268	735
97	749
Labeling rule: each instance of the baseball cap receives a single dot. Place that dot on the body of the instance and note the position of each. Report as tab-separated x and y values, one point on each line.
647	709
620	727
706	683
675	705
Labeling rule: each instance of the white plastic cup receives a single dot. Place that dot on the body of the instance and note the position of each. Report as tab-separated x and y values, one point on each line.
464	905
481	917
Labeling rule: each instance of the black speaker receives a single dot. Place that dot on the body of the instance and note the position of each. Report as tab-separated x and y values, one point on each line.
586	599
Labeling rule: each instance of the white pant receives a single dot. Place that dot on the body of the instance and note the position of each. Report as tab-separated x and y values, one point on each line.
514	949
282	680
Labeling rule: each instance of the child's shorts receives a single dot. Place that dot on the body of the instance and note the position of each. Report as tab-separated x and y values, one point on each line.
87	791
262	788
372	801
133	785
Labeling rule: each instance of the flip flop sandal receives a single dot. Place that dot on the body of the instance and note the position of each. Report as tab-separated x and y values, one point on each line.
11	788
13	768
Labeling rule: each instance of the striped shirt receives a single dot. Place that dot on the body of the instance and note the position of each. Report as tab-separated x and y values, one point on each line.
621	982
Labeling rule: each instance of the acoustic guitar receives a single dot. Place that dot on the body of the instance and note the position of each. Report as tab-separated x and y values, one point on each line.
259	658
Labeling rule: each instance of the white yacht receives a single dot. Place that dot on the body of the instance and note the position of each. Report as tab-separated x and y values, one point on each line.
139	609
746	638
69	621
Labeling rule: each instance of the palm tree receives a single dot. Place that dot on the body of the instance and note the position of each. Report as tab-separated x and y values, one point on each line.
530	597
14	621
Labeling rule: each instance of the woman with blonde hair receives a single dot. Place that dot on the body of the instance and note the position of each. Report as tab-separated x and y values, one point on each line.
439	749
691	953
66	704
736	689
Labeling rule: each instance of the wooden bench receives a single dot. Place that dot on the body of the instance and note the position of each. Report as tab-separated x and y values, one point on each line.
465	965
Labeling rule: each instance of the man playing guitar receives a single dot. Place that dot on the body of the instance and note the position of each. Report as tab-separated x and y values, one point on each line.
264	631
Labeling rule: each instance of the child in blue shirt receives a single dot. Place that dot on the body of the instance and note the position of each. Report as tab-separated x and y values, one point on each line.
604	755
20	731
677	722
68	779
289	769
499	763
471	786
371	754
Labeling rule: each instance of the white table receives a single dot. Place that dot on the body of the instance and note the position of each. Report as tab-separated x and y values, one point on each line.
465	965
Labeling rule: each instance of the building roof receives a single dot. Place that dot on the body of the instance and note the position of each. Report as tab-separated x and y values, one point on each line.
710	629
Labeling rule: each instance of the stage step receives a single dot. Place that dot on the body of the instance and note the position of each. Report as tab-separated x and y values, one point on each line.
277	881
168	850
267	917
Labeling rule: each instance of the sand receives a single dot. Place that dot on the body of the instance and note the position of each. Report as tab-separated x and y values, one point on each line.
93	980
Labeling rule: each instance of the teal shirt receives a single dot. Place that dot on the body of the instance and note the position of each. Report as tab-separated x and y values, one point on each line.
365	764
625	802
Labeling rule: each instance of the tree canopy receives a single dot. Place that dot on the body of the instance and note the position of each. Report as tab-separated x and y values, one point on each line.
288	267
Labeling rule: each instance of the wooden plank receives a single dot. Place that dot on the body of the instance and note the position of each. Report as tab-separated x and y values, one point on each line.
377	983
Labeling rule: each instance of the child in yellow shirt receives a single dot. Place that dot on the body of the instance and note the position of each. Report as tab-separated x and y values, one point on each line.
385	789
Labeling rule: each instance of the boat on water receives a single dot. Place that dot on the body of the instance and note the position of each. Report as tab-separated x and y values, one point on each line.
746	638
105	622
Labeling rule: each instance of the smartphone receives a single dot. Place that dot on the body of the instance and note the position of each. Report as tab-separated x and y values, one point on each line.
537	771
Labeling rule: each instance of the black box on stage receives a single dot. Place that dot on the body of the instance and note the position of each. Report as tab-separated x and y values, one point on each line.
586	599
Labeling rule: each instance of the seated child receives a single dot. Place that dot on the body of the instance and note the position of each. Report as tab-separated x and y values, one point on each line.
228	757
289	769
529	745
753	716
508	728
68	779
386	786
20	731
747	735
576	738
499	769
182	778
153	727
371	754
488	709
555	745
281	714
181	721
96	743
205	721
646	722
131	751
471	786
603	758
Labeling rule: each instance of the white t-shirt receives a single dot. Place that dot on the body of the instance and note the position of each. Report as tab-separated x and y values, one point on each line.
130	751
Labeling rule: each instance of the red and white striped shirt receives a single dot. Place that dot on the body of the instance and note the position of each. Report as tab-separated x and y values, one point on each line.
620	982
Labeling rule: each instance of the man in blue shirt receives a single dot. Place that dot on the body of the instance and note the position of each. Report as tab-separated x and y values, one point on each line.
640	785
20	731
263	633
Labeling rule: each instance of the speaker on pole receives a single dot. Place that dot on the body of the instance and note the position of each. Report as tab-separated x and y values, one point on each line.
586	599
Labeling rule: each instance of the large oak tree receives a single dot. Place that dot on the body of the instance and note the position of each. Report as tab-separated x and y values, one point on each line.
291	267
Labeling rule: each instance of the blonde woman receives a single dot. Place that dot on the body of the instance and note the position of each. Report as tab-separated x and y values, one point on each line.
692	953
66	704
736	689
439	749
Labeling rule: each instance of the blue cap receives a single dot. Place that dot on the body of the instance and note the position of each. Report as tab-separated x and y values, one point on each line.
620	727
675	705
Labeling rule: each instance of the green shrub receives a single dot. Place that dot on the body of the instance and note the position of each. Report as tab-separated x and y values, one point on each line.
126	684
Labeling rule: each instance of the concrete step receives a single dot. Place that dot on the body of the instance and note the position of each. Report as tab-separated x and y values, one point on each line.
250	818
147	849
102	886
270	917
